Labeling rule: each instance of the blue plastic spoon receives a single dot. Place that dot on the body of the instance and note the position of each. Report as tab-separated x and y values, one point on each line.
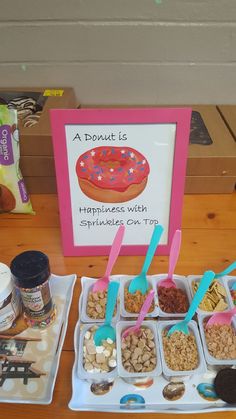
106	330
198	296
140	283
226	271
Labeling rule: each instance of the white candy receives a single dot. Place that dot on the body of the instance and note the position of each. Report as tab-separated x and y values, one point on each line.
91	371
114	352
87	335
112	363
96	370
99	349
84	349
109	341
107	353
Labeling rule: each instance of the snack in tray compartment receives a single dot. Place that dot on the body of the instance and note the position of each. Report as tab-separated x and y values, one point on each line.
180	351
221	341
172	300
139	352
96	304
233	295
225	385
215	297
133	302
98	359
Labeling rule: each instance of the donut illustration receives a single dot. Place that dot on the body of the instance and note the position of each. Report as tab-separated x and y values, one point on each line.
112	174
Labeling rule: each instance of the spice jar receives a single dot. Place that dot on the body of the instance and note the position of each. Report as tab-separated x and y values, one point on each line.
31	272
9	299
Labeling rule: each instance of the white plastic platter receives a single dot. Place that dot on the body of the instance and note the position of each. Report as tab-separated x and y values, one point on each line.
29	372
123	397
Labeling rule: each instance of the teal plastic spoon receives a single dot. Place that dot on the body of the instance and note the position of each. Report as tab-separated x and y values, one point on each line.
140	283
106	330
226	271
198	296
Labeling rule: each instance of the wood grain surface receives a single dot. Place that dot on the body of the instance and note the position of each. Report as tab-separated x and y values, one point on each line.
209	242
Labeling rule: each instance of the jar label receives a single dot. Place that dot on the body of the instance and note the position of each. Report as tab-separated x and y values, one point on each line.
37	301
9	312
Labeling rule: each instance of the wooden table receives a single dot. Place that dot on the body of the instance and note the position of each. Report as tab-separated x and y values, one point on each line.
209	241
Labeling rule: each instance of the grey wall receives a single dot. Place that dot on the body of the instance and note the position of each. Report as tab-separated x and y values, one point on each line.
122	51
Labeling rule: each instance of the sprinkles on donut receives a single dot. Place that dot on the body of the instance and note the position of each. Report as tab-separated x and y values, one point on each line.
112	174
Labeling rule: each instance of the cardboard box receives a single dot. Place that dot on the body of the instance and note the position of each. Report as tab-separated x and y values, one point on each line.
41	185
228	113
209	184
36	140
211	166
217	158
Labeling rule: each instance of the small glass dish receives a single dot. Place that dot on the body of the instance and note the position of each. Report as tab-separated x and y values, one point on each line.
93	377
137	377
182	283
87	284
173	375
125	281
212	362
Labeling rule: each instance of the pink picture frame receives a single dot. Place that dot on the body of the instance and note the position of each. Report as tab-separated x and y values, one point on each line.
158	123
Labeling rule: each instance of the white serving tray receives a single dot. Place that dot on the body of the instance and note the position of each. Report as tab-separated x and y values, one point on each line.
83	399
44	354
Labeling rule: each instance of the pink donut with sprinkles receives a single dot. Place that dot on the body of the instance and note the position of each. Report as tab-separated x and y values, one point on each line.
112	174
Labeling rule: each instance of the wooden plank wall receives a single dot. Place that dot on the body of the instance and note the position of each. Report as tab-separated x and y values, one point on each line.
122	51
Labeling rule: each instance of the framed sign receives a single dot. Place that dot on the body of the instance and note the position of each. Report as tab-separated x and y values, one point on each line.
119	166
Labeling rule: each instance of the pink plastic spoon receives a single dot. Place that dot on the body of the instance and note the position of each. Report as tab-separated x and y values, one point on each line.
174	254
222	318
102	283
145	307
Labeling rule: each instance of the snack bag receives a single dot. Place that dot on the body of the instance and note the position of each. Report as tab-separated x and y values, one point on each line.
13	194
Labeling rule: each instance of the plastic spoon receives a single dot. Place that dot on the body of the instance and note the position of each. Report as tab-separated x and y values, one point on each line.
203	287
140	283
102	283
145	307
106	330
174	254
221	318
226	271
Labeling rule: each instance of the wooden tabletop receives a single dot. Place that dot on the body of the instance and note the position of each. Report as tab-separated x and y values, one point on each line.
209	242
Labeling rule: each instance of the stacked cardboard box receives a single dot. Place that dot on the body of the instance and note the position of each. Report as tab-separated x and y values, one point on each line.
211	168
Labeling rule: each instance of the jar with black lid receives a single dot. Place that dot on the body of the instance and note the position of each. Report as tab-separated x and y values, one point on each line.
31	273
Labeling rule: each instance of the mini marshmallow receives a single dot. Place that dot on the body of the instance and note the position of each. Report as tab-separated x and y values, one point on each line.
110	341
87	335
99	349
112	363
107	353
114	352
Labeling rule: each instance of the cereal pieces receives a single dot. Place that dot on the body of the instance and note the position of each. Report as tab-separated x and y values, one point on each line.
215	297
133	302
180	351
98	359
221	341
173	300
96	304
139	352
